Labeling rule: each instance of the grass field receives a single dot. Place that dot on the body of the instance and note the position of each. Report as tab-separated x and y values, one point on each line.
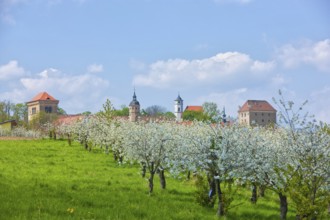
45	179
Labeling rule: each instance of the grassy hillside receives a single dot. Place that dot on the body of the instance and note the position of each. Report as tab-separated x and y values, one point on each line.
43	179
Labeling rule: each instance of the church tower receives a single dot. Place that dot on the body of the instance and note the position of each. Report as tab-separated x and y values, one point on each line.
134	109
178	108
224	117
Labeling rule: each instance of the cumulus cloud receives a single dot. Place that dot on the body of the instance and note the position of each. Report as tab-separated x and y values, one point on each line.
316	54
259	66
95	68
11	70
221	68
77	93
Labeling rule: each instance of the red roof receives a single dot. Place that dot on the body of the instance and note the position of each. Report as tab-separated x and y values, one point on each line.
256	105
42	97
194	108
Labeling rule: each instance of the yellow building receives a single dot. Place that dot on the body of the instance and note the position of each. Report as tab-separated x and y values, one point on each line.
43	102
8	125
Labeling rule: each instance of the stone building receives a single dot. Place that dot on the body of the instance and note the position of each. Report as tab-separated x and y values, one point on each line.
257	112
43	102
134	109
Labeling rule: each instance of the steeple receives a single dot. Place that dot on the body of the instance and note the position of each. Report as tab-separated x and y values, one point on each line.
134	109
178	108
224	117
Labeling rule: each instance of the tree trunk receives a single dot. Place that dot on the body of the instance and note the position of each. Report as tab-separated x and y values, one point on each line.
221	205
283	206
254	194
143	170
151	178
69	140
162	178
86	145
188	175
151	182
212	186
262	189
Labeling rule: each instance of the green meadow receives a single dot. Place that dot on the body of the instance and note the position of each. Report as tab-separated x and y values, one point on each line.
46	179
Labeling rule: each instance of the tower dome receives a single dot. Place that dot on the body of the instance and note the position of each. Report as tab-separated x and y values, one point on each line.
134	109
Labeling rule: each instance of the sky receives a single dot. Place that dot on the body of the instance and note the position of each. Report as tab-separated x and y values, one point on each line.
83	52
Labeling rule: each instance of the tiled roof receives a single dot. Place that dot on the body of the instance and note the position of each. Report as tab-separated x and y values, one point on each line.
42	97
256	105
194	108
13	121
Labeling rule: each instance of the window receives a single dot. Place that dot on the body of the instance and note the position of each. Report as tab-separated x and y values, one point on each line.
255	114
262	114
48	109
34	111
179	109
262	120
268	114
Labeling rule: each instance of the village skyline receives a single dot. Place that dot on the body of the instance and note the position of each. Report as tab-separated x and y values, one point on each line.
224	51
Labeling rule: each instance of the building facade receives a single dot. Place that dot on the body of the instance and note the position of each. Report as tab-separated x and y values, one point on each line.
43	102
8	125
257	113
134	109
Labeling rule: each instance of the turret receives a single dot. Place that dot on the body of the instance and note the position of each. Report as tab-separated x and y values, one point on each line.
134	109
178	108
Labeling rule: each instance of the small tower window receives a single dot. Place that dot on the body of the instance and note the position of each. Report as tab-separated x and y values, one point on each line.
34	111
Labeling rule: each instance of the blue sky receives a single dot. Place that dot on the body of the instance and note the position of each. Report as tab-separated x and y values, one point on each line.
225	51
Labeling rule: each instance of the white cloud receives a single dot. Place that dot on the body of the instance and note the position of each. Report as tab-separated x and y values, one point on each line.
316	54
222	68
77	93
259	66
95	68
11	70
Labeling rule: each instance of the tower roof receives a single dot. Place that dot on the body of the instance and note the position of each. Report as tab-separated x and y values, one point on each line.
134	101
43	96
257	105
179	99
194	108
